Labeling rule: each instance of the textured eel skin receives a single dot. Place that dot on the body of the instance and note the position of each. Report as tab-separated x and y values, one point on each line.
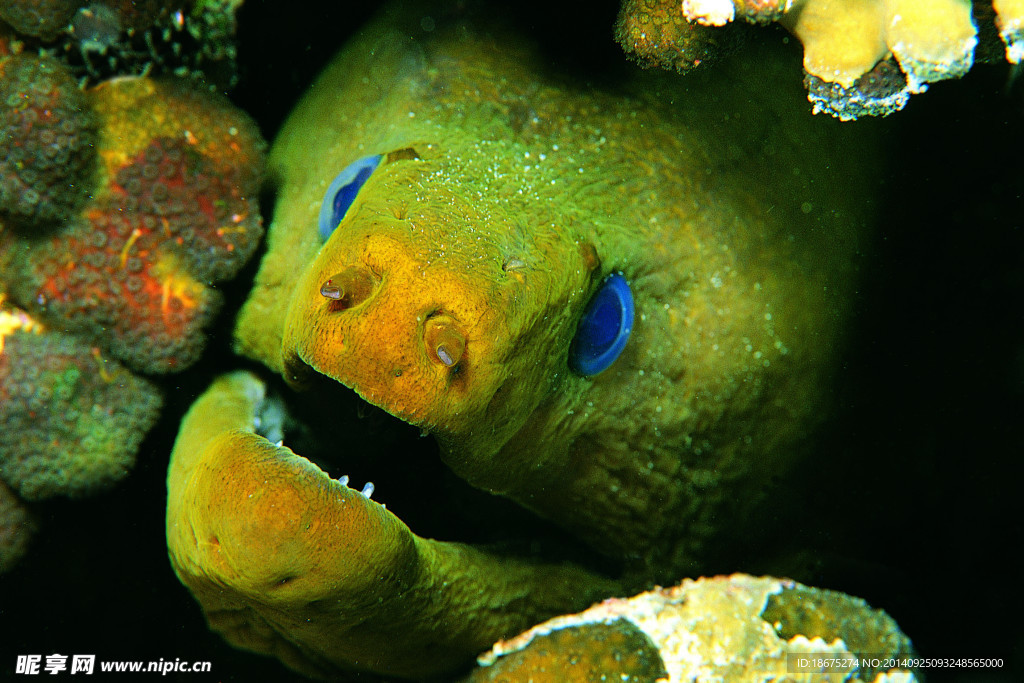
288	562
507	194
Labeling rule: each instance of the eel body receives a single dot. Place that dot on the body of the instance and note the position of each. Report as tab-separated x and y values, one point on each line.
729	212
452	288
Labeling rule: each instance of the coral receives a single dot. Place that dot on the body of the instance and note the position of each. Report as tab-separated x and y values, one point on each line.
1010	21
195	40
731	628
656	34
131	15
16	529
879	92
846	41
41	18
135	112
289	562
78	417
121	206
105	276
931	41
614	650
46	140
176	213
9	42
85	20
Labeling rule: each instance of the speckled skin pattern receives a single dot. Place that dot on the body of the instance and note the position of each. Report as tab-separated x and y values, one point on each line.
738	291
728	209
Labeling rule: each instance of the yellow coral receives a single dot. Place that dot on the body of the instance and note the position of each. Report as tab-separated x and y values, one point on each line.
839	47
845	41
1010	19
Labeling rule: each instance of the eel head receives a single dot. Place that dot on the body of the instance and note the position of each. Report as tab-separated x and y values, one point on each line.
437	315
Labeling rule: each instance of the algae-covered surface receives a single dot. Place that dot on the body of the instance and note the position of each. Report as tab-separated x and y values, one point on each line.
907	498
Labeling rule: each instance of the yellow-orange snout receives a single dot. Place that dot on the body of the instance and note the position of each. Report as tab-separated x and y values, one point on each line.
408	331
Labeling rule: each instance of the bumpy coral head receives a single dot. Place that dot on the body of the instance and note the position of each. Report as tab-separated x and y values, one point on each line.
434	308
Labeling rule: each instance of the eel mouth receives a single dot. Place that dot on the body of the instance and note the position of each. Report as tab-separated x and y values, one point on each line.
287	559
399	465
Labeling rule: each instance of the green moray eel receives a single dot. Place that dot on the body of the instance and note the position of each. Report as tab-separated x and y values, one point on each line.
490	201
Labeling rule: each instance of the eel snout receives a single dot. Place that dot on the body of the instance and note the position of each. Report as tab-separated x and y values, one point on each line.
421	339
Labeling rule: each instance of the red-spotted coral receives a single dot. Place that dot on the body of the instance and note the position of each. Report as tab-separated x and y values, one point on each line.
46	140
120	206
655	33
176	213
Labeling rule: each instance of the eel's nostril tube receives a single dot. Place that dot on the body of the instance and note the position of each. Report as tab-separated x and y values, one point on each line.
348	288
444	341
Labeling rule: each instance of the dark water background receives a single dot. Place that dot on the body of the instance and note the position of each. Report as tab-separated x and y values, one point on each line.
913	501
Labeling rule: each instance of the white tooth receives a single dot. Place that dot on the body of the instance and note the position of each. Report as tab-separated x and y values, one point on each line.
368	489
279	443
343	479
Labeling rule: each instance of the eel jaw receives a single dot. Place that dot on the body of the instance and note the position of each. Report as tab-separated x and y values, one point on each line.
287	561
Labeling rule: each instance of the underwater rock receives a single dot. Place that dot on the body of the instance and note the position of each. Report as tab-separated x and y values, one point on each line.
46	19
16	529
174	213
735	628
97	41
617	309
46	140
845	42
79	417
189	39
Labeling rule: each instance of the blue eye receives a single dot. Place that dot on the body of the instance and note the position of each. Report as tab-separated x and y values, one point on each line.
342	191
604	328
